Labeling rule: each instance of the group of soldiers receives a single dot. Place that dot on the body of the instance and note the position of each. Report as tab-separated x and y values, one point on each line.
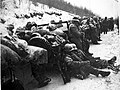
68	50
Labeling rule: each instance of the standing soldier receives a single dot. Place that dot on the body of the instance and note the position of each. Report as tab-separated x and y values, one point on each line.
77	37
97	24
111	24
93	31
105	25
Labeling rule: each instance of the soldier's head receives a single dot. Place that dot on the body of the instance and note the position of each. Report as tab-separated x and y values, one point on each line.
28	26
35	35
34	24
111	18
52	27
76	22
10	28
70	47
23	45
105	18
52	21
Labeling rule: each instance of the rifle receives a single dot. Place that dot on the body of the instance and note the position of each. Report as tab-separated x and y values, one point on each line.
53	23
62	65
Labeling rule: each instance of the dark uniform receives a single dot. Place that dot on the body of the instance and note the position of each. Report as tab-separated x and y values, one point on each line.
75	36
105	25
9	59
111	24
94	31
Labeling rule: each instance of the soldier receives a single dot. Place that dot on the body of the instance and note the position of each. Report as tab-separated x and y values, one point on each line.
105	25
28	26
93	31
77	37
78	67
97	24
12	41
10	31
111	24
35	55
9	61
38	58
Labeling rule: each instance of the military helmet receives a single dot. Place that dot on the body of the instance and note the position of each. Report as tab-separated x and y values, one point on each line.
76	21
52	21
28	26
23	44
36	35
70	47
52	27
34	24
10	27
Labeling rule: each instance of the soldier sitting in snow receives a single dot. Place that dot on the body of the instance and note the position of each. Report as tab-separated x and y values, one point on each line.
81	66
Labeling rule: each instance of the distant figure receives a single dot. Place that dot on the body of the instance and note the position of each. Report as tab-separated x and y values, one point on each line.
117	23
105	25
111	24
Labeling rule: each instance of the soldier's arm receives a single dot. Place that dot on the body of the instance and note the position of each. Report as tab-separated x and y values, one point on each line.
72	63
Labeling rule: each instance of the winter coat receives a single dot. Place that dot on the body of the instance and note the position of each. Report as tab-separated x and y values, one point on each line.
75	36
9	59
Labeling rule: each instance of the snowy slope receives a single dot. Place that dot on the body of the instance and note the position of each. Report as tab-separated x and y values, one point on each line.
27	7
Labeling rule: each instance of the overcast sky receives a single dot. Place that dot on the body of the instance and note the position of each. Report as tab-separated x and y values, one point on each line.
101	7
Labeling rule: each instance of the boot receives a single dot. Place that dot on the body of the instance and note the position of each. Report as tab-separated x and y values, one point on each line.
99	39
94	71
104	74
95	42
112	60
88	53
83	63
44	83
79	76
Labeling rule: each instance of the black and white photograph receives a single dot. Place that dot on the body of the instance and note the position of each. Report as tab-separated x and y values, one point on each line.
59	45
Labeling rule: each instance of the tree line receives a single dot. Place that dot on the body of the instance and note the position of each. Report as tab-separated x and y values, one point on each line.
65	6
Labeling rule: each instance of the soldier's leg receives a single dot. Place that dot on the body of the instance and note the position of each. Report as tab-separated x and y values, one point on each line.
99	39
101	64
84	71
39	74
86	47
91	70
74	68
77	69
